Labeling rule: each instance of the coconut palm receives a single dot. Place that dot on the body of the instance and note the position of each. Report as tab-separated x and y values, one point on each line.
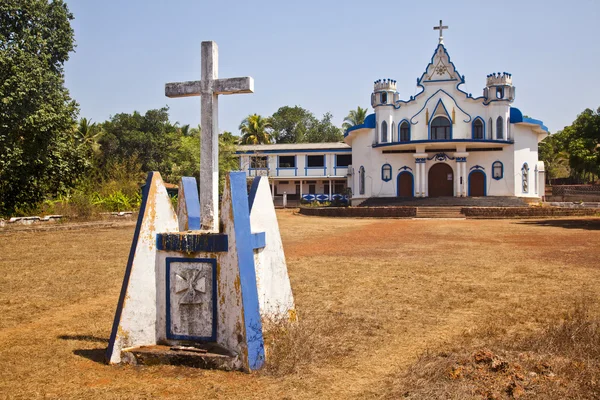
355	117
87	133
255	130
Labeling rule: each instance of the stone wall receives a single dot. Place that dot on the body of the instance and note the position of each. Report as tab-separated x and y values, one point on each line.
360	212
526	212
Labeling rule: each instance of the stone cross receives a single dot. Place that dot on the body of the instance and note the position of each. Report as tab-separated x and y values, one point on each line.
441	29
209	88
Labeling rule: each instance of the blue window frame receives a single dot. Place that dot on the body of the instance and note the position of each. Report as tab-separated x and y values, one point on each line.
404	131
525	178
441	129
386	172
478	129
497	170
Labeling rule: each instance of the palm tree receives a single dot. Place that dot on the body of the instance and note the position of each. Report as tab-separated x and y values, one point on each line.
255	130
355	117
87	133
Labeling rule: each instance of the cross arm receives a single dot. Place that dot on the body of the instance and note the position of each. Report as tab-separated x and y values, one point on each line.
182	89
234	85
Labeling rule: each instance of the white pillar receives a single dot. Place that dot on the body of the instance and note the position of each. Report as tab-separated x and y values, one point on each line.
464	175
458	189
300	199
417	178
330	189
273	189
423	180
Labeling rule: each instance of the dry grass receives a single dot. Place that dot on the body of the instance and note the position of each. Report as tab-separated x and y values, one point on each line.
372	296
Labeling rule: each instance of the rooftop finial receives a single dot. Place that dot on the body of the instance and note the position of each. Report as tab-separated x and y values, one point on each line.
441	29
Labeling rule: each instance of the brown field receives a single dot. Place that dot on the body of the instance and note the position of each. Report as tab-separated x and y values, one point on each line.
373	296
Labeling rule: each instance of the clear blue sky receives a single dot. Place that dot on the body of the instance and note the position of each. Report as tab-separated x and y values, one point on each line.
324	55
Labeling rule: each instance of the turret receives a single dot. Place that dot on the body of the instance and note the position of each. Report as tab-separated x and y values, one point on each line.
499	87
384	92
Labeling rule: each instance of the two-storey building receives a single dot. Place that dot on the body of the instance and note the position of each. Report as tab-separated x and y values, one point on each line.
309	171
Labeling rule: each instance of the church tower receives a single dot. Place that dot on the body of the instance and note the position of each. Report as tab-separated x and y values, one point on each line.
499	87
384	92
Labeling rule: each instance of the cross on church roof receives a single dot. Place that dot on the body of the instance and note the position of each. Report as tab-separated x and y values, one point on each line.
209	88
441	29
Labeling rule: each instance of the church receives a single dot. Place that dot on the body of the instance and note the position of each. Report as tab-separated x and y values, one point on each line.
441	142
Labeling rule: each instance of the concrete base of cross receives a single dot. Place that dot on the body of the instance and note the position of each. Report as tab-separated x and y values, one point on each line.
194	289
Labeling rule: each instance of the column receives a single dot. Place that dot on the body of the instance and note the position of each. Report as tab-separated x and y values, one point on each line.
330	189
417	177
457	185
465	178
300	199
423	179
273	189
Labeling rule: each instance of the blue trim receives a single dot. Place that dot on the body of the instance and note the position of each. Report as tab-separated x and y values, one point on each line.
170	334
192	203
420	80
429	128
441	141
473	128
516	116
476	167
405	168
256	152
412	177
386	132
134	242
501	170
484	182
306	167
382	172
192	242
253	190
294	167
453	99
259	240
245	255
335	166
369	123
409	130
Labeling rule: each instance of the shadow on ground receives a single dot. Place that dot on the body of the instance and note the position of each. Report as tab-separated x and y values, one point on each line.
96	355
588	224
85	338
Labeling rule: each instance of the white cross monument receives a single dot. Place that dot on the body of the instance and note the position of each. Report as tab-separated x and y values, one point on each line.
441	29
209	88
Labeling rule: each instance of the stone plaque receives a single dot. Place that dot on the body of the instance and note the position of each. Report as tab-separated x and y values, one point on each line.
191	299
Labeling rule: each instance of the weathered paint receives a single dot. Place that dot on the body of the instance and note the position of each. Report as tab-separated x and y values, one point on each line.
188	204
273	283
135	317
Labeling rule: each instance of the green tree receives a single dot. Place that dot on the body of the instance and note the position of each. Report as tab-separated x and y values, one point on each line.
324	131
255	130
227	158
291	124
355	117
38	153
555	157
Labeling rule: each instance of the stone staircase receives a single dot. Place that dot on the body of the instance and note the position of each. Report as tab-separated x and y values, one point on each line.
488	201
439	212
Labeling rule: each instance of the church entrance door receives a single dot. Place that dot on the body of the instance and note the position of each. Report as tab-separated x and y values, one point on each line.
476	184
405	184
441	180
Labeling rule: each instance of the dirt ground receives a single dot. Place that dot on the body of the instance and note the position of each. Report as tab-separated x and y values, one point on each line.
391	288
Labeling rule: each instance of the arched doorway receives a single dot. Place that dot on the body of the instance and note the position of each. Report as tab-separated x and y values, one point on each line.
477	183
441	180
405	184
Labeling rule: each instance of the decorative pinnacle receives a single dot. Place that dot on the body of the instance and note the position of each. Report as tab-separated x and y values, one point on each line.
496	79
385	84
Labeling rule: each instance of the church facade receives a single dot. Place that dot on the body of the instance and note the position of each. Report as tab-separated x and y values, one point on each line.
444	141
441	142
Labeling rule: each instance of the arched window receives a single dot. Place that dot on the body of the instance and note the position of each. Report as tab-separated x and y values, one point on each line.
384	97
478	129
404	132
499	93
386	172
525	178
441	129
384	132
497	170
508	130
500	128
490	129
393	132
361	180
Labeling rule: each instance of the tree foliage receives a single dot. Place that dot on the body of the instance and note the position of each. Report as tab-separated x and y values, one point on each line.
355	117
255	130
579	143
38	148
298	125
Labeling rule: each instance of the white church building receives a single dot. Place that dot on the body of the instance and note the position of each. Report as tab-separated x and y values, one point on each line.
440	142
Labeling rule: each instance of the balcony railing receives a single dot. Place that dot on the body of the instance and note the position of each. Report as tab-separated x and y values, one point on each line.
323	197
